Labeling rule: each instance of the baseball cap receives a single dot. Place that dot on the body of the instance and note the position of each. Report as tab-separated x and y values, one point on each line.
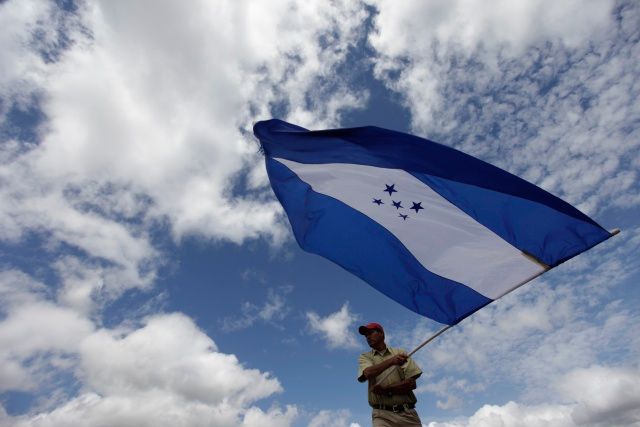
364	328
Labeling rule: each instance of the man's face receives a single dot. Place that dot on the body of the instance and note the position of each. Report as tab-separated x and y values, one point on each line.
374	337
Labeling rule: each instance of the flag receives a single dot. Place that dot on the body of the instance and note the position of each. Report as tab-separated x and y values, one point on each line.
436	230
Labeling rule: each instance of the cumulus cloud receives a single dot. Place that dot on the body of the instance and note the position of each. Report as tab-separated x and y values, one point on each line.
471	25
132	122
274	417
448	389
605	395
141	108
536	90
36	334
146	120
190	364
542	89
122	129
597	396
514	414
166	372
326	418
569	319
336	328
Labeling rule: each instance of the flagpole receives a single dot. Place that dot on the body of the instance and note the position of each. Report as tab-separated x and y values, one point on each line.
431	338
545	268
443	330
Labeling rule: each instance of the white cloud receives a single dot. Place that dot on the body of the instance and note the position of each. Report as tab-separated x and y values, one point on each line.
146	128
36	335
513	85
17	288
605	395
169	353
326	418
22	68
274	310
414	25
274	417
597	396
447	389
514	414
155	408
165	373
147	121
42	326
336	328
155	109
569	319
542	89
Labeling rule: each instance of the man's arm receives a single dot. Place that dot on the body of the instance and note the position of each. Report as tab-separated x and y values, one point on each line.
403	387
373	371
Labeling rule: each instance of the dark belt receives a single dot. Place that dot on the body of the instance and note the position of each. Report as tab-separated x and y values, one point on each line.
395	408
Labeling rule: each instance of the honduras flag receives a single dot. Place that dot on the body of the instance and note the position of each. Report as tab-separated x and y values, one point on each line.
438	231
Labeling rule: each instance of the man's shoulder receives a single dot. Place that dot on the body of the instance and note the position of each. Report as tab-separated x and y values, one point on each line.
366	354
390	351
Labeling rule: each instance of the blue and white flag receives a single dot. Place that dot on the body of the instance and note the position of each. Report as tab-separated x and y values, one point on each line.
438	231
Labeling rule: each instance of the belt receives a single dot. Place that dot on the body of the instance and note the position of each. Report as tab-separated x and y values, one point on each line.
395	408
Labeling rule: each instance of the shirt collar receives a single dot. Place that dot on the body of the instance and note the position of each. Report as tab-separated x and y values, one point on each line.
380	353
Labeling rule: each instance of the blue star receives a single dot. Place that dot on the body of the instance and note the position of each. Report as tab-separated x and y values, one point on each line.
417	206
397	205
390	188
404	217
378	202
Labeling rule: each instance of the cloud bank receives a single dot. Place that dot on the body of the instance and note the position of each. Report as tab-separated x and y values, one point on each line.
543	89
126	129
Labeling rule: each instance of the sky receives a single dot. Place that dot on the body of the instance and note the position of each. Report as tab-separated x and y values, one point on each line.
148	276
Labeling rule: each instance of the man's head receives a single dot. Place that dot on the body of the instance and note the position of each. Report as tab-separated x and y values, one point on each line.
374	334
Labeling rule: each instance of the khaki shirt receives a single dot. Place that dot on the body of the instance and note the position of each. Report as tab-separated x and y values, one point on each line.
400	373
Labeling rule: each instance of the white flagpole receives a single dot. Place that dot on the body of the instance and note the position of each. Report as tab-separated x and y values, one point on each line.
441	331
544	270
431	338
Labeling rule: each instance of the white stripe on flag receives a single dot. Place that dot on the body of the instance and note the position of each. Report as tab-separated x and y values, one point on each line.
444	239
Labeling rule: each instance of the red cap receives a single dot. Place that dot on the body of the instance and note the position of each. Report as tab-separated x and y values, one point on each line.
364	328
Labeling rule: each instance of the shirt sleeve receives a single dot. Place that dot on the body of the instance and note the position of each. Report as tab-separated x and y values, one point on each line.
411	369
363	363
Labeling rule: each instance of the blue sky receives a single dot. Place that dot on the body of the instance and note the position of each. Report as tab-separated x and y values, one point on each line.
149	277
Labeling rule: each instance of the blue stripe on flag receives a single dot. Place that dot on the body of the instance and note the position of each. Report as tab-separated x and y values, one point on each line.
380	147
551	236
523	214
327	227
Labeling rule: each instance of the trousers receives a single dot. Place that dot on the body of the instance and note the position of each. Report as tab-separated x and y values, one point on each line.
382	418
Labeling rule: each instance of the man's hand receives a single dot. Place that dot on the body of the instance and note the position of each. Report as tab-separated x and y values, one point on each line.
399	359
372	372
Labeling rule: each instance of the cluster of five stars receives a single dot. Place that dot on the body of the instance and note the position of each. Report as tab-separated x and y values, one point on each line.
398	205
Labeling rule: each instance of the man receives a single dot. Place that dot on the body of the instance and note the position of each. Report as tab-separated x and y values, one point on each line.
392	400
